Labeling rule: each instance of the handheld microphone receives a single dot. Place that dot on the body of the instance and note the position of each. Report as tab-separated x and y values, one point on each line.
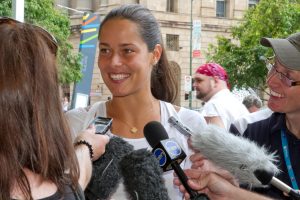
236	154
106	175
266	177
180	126
168	153
142	176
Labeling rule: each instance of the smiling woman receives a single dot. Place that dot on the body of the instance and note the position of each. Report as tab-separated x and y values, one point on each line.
124	60
280	132
134	66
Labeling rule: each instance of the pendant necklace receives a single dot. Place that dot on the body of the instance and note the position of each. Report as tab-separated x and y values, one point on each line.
132	129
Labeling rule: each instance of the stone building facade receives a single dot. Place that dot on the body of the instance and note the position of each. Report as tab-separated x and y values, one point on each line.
215	17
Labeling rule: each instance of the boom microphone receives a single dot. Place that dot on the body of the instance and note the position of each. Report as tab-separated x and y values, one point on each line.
236	154
266	177
106	175
142	176
169	154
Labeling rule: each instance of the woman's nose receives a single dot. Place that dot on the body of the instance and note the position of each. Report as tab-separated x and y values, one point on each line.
116	60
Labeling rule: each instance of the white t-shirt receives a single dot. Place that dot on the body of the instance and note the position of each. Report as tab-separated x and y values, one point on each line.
225	105
242	122
79	119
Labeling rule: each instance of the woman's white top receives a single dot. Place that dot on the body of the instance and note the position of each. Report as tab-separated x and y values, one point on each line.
79	119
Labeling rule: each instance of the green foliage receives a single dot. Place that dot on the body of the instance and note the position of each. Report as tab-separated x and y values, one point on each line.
242	55
5	8
44	14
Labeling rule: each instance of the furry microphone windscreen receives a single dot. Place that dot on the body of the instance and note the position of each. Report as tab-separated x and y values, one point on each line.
235	154
143	176
106	175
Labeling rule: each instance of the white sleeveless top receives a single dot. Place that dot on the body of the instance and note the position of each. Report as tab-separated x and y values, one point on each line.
79	119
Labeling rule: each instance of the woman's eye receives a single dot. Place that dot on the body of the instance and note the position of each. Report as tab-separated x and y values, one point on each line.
104	51
128	50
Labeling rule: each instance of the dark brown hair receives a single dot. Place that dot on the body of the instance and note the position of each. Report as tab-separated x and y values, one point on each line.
163	80
33	130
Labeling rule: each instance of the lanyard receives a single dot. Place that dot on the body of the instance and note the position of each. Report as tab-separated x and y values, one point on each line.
285	148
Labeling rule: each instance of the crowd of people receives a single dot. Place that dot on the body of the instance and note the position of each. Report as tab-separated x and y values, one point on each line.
46	153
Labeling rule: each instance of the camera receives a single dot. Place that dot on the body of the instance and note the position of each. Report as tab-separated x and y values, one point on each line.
102	124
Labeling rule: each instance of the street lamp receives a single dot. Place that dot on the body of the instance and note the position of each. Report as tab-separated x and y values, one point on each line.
191	49
18	10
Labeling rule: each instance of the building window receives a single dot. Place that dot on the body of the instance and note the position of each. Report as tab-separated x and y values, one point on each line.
172	42
252	3
221	8
172	5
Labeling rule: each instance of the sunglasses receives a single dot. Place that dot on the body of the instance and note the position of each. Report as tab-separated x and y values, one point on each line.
49	38
271	64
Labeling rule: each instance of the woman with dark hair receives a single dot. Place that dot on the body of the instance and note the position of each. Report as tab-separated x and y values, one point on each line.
134	67
37	155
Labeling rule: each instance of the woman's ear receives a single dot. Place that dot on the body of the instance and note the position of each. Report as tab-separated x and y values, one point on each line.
156	53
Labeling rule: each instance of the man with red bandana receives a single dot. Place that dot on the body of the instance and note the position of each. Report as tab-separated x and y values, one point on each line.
221	106
280	132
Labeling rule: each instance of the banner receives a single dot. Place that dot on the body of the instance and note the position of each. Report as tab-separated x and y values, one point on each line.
88	45
196	34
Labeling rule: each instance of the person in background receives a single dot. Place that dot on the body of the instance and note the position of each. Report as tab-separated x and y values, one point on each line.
252	103
240	125
37	156
221	106
133	64
65	104
216	186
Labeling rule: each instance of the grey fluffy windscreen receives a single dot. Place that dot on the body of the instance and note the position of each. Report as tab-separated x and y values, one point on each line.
143	176
106	175
236	154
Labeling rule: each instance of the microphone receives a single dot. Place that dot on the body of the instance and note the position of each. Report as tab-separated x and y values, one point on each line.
169	154
180	126
142	176
266	177
106	175
236	154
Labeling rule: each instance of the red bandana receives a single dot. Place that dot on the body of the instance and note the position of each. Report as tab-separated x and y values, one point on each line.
213	69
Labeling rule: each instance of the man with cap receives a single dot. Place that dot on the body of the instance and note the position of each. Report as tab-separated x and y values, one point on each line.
280	132
221	106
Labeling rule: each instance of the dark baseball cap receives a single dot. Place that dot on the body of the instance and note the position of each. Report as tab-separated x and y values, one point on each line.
286	50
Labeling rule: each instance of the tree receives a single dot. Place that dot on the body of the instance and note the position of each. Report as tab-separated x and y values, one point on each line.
243	56
44	14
